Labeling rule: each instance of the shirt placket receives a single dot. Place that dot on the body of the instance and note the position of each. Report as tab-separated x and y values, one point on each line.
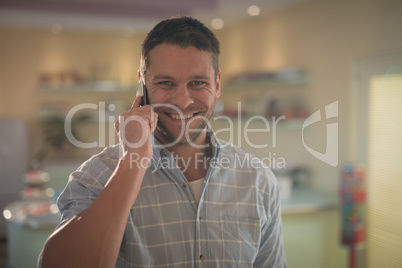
202	247
202	235
174	174
202	218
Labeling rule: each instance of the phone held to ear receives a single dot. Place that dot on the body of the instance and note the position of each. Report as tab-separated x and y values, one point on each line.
142	91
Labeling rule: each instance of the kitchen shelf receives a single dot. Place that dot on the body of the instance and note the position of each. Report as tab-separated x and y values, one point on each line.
263	84
89	87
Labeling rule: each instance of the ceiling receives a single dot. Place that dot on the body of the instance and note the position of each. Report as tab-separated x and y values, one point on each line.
139	15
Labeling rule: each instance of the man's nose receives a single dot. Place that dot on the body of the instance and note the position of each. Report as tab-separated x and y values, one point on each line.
182	97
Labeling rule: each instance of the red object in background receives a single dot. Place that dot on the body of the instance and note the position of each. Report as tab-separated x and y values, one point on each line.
353	194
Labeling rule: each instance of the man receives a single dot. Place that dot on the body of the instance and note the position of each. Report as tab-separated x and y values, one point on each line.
171	194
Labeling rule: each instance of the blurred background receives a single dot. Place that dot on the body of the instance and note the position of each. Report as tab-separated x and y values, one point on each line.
316	83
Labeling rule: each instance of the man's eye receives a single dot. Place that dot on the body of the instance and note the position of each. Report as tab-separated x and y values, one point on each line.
198	83
165	83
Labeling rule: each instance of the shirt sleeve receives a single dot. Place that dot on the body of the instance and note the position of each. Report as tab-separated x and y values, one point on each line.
83	186
271	251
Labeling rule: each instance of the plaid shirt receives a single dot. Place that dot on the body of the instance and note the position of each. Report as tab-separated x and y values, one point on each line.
236	224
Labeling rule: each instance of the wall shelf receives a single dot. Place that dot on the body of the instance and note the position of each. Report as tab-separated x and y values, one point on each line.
263	83
90	87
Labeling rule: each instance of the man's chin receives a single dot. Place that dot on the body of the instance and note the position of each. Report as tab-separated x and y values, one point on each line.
167	137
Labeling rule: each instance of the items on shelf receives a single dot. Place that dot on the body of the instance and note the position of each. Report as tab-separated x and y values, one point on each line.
99	77
35	188
37	208
61	78
274	95
269	106
290	108
287	75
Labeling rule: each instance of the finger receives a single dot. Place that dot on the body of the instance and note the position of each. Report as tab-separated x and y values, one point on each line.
153	122
136	103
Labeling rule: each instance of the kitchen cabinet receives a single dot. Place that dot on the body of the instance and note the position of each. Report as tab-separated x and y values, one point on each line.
311	230
312	240
25	245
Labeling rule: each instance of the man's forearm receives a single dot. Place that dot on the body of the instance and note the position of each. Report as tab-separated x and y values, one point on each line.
93	238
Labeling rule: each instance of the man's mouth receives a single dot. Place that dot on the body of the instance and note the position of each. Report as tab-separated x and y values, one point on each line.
181	116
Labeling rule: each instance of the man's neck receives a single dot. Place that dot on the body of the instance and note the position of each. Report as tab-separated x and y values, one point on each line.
193	158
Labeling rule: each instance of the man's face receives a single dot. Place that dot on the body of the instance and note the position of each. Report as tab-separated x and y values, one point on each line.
182	79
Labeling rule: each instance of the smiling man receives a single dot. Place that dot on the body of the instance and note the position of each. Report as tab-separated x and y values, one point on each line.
162	197
184	78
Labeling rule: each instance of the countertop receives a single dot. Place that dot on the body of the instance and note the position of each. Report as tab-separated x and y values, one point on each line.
304	200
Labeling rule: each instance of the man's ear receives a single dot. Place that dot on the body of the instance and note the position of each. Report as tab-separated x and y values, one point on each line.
139	76
218	85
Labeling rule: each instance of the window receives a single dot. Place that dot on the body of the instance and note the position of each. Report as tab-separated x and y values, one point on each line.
384	170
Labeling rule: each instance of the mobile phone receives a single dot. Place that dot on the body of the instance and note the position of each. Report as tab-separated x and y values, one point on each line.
142	91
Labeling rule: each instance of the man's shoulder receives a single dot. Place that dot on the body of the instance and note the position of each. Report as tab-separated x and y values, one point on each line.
245	165
234	151
111	153
106	159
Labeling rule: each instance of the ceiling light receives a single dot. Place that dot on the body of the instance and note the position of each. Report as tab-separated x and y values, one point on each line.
217	24
253	10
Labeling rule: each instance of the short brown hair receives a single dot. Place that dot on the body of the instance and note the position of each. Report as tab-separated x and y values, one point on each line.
184	32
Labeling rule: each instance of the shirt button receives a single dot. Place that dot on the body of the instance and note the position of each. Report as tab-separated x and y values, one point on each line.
200	216
185	185
202	257
165	153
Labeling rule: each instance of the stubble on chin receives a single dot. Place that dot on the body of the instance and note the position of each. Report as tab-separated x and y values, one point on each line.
163	133
169	138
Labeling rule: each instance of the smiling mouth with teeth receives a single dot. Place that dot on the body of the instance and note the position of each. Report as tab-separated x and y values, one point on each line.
181	116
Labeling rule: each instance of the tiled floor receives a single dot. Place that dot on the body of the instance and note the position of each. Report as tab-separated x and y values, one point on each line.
3	253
